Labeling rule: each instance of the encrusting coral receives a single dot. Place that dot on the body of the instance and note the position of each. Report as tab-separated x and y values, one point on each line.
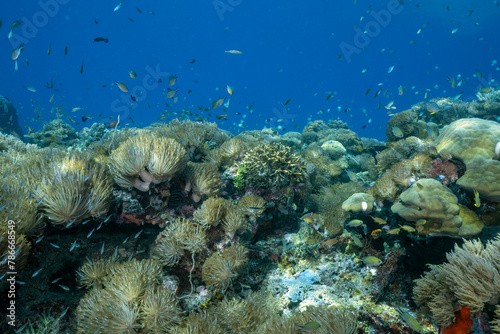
146	159
471	278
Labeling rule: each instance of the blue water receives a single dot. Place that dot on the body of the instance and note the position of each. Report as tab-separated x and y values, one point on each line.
290	50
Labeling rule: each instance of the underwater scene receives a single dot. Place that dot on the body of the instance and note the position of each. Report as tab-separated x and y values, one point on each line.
242	167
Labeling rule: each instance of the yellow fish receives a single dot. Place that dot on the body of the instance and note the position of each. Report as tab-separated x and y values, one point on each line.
379	220
229	89
122	86
372	261
477	200
132	74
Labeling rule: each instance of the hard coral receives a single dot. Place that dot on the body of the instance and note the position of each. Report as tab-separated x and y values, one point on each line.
270	165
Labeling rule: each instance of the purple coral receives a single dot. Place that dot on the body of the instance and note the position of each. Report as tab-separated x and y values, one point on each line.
443	171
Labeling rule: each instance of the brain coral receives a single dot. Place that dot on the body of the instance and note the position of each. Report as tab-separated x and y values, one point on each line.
473	141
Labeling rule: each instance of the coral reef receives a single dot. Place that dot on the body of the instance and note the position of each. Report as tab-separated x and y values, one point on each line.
8	118
359	202
56	133
219	270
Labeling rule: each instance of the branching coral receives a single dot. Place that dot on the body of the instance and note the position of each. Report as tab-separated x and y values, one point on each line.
470	278
146	158
270	165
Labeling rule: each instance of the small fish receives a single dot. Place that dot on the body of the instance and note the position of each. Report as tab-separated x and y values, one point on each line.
122	86
54	245
85	222
117	7
432	107
48	50
71	222
39	239
138	9
400	90
377	92
30	88
234	52
36	272
331	242
390	69
90	233
172	79
407	228
102	248
73	246
64	287
171	93
98	227
132	74
217	103
310	327
394	231
66	50
410	321
379	220
454	30
16	24
56	280
431	132
356	240
485	90
17	51
229	89
355	223
397	132
352	176
81	68
101	39
371	261
124	241
287	102
477	200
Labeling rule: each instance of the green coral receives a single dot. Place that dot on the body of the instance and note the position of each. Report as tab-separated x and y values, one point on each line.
269	166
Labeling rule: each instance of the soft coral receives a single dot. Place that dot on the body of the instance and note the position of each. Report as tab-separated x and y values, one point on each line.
462	325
